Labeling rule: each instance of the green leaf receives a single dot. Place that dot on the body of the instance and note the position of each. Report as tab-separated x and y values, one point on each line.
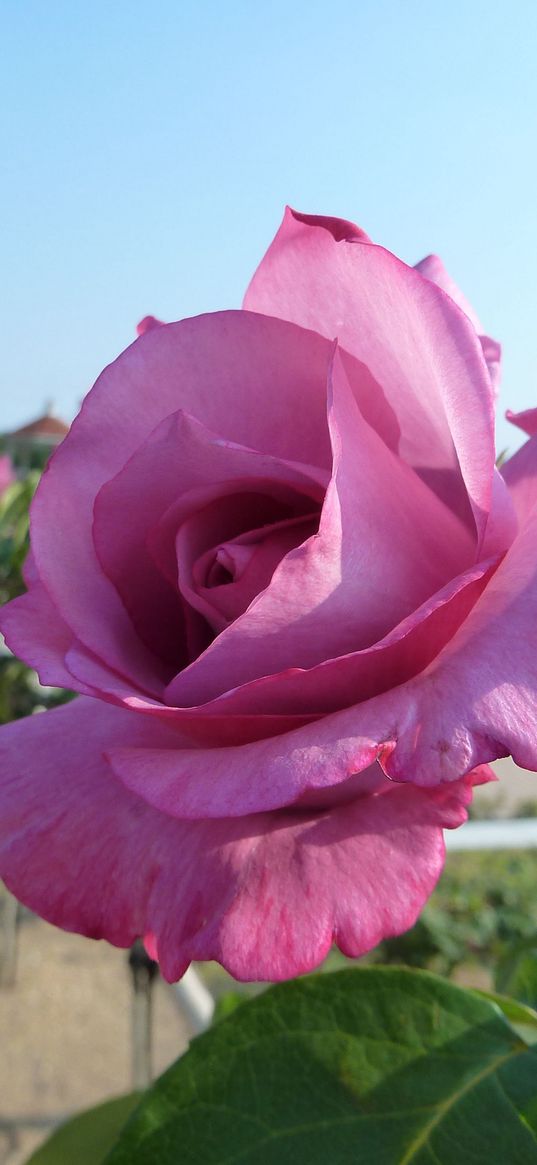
371	1066
86	1138
226	1005
521	1017
517	973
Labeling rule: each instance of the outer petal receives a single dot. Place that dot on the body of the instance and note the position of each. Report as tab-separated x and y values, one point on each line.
247	378
527	420
264	895
385	544
33	630
433	268
413	339
478	699
229	782
520	475
147	325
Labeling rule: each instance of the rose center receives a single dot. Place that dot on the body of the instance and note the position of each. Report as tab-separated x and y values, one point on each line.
228	550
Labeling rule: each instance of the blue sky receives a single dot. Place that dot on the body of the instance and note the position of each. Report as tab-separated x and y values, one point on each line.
147	152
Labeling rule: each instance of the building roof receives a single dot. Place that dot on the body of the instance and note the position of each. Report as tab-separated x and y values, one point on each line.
45	428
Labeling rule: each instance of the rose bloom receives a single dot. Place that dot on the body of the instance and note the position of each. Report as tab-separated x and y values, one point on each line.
297	600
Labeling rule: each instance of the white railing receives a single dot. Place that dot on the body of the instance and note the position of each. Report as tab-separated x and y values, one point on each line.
195	1000
499	834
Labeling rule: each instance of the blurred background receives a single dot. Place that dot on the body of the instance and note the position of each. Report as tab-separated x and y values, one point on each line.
147	154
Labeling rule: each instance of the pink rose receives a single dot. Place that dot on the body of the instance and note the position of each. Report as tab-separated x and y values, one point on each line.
297	601
7	475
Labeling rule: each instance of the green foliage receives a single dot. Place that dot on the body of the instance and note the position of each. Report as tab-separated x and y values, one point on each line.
523	1019
381	1065
226	1004
86	1139
20	690
483	906
14	506
527	808
517	972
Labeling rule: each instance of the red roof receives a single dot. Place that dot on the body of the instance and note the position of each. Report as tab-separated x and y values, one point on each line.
45	427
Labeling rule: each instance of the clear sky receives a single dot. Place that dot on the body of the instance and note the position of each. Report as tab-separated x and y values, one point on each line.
147	151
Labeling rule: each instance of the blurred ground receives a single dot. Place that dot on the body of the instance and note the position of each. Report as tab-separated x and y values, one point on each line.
515	790
66	1033
65	1024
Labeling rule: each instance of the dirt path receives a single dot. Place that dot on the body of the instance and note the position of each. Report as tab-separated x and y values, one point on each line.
65	1029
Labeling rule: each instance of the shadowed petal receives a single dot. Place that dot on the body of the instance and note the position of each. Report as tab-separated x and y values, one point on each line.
179	457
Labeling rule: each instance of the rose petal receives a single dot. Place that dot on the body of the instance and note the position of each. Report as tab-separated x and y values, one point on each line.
249	561
348	679
180	458
520	476
414	340
502	522
180	782
33	629
527	420
433	268
335	683
476	700
385	543
147	324
264	895
249	378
